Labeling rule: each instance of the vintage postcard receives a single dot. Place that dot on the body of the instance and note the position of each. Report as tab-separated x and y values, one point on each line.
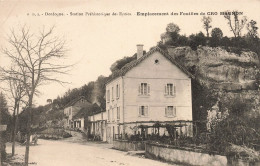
129	83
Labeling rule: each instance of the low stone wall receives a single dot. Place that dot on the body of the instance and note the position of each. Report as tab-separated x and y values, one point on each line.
170	154
128	145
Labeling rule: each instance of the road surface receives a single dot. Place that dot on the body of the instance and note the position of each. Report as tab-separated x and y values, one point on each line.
76	151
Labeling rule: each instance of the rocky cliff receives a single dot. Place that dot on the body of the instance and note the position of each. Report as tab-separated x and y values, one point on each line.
228	74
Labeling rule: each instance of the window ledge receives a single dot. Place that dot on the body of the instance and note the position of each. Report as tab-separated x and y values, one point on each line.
169	116
143	116
143	95
169	96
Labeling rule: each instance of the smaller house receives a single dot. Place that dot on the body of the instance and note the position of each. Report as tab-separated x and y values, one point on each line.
97	125
72	109
81	118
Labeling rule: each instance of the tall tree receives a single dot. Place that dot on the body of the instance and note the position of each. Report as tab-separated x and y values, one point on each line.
37	57
252	29
15	90
235	24
207	24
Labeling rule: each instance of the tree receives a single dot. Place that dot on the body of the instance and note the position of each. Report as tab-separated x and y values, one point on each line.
196	40
49	101
216	36
235	24
17	91
171	27
5	118
217	33
172	31
35	56
206	24
252	29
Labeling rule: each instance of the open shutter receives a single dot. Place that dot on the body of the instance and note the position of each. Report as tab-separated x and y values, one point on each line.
146	111
174	111
118	91
140	111
166	111
148	89
174	90
165	89
139	89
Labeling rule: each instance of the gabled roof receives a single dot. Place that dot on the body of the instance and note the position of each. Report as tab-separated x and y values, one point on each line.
87	110
134	63
72	102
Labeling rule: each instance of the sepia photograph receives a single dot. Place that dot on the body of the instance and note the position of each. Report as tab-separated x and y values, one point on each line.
129	83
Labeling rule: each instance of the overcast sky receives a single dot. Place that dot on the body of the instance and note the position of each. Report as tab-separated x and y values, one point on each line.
95	42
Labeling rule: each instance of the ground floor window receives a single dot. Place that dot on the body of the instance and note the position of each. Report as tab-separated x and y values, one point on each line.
143	110
170	111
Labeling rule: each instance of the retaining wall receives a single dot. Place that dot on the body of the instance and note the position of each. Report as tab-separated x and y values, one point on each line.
128	145
170	154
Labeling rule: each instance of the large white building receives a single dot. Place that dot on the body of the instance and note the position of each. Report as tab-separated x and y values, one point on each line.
152	89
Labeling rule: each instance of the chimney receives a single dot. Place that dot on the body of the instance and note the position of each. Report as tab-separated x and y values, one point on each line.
139	50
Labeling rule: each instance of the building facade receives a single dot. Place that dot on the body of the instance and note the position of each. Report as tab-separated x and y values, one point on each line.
97	125
154	88
72	109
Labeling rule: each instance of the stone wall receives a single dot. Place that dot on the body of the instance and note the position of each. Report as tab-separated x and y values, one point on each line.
128	146
169	154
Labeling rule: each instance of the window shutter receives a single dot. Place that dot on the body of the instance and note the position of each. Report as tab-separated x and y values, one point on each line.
148	89
174	111
166	111
165	89
139	89
146	111
118	91
174	90
140	111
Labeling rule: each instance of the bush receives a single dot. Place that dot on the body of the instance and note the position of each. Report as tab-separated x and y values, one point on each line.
196	40
238	128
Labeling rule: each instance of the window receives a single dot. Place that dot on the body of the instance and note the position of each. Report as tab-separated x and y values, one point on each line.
170	89
170	111
108	96
143	110
118	113
117	91
112	93
144	89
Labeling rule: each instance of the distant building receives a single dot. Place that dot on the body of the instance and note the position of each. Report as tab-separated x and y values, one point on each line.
72	109
97	125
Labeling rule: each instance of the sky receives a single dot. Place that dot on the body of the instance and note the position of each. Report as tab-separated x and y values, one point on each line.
96	42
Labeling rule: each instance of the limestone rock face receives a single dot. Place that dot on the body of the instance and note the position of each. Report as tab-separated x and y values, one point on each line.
227	73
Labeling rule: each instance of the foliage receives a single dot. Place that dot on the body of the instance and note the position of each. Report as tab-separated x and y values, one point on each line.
206	23
196	40
172	28
252	29
121	62
237	128
5	116
216	36
203	99
235	23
